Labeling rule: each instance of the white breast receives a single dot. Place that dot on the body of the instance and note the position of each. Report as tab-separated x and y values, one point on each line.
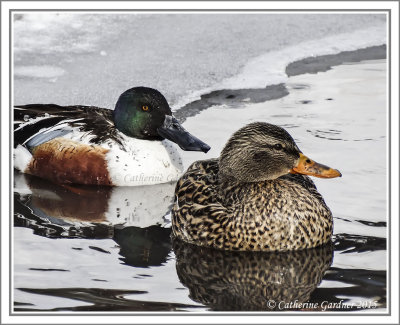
144	163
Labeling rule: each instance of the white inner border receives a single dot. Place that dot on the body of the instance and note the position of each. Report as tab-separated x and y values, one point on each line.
186	318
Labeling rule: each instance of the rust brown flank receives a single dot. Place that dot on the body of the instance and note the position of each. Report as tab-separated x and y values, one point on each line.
65	161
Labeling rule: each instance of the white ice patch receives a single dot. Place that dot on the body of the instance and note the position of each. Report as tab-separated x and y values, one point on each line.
269	69
53	30
39	71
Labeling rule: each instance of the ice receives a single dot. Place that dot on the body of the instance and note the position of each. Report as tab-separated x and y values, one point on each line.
182	55
36	71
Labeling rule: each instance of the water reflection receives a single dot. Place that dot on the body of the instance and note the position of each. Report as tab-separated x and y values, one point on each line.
135	219
65	205
365	288
57	211
250	281
102	300
245	281
330	134
346	243
143	247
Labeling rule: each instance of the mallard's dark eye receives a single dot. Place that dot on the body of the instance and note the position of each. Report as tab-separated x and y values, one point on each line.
145	107
278	146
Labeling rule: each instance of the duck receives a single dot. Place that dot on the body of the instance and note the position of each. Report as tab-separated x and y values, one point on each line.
132	145
257	196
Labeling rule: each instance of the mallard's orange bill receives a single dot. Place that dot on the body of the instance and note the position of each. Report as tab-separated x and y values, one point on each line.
306	166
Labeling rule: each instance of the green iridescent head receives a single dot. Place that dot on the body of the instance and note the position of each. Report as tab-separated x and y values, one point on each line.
144	113
140	111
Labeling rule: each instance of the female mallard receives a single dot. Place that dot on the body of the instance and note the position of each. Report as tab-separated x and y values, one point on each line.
253	198
97	146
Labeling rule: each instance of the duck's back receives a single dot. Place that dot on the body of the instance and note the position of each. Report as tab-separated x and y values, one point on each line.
31	120
283	214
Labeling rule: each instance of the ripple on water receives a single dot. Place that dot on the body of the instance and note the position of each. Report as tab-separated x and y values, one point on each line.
330	134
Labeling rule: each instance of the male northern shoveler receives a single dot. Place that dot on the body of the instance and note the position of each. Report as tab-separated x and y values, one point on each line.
253	197
90	145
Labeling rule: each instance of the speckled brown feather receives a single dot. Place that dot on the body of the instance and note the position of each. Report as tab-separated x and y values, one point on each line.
286	213
65	161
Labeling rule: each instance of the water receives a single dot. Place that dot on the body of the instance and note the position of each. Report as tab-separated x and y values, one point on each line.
103	249
75	251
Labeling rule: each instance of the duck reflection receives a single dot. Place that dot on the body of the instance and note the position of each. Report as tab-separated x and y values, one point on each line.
140	206
143	247
134	217
253	281
66	203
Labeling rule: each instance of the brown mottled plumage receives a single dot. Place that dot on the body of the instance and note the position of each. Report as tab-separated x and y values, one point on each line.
247	200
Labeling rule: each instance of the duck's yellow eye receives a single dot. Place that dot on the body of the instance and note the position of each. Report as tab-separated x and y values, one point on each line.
145	107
